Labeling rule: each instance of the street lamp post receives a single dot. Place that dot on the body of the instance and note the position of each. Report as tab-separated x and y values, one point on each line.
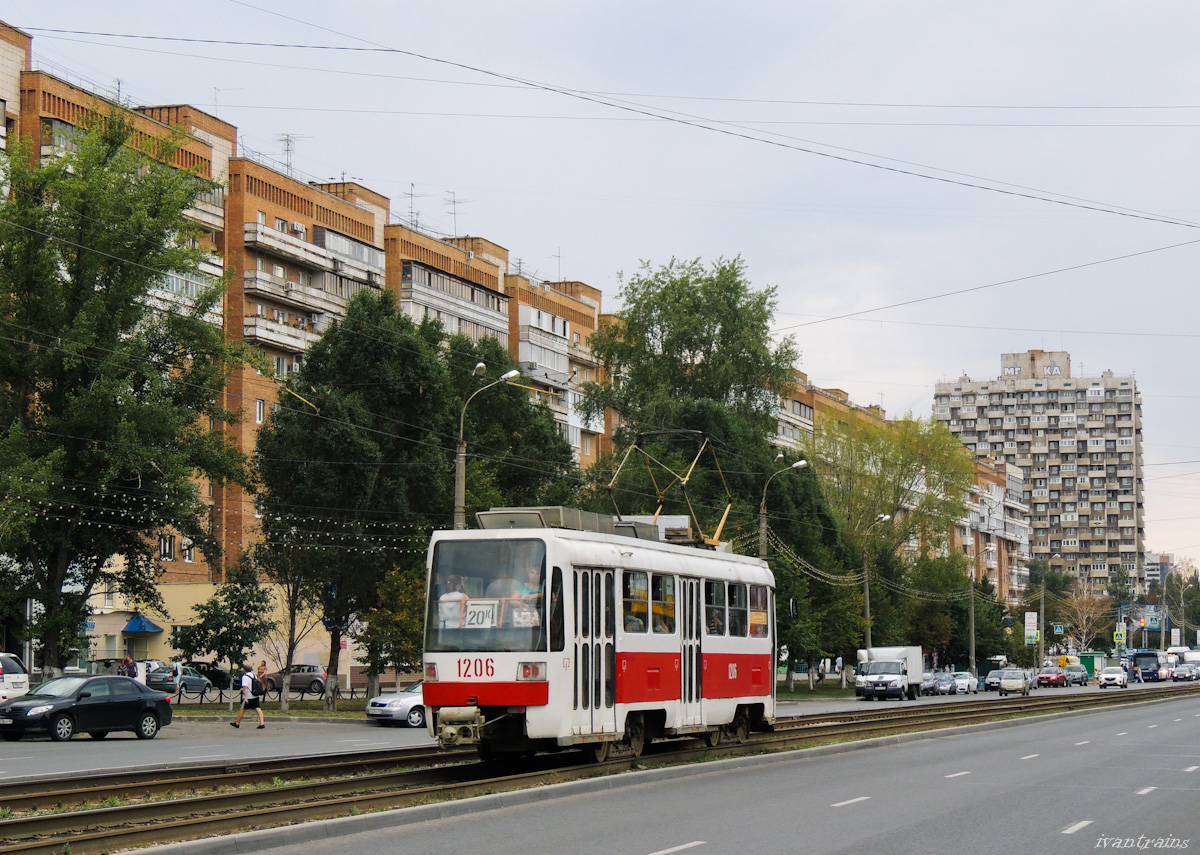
1042	614
971	607
762	507
460	455
867	579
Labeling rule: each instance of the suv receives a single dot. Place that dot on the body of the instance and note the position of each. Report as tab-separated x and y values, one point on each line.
14	679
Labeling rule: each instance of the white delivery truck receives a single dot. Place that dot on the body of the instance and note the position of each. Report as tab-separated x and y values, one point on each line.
889	672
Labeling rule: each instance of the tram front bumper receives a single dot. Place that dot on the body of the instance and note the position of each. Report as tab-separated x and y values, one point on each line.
459	725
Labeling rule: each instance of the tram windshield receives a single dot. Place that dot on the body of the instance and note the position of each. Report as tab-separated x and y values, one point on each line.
487	595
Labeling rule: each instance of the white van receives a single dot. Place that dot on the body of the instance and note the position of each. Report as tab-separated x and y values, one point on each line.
14	679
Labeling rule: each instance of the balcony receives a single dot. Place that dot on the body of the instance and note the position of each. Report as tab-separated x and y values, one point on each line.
284	245
260	330
307	298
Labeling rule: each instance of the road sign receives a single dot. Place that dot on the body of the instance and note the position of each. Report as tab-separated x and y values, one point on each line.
1118	637
1058	628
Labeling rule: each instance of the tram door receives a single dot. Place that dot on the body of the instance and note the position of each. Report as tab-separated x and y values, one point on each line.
593	653
691	663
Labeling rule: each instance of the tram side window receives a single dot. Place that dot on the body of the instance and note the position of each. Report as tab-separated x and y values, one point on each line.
714	608
739	618
759	610
636	604
662	602
558	638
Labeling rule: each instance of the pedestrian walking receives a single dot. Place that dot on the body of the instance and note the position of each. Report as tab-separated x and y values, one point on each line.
252	692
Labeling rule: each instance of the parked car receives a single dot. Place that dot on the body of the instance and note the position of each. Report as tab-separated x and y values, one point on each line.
1113	675
1186	671
1052	675
14	679
929	683
991	682
406	706
1077	675
965	683
1031	675
307	678
218	678
1013	681
193	681
946	684
96	706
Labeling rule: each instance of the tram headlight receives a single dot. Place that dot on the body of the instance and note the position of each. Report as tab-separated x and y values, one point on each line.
430	672
531	671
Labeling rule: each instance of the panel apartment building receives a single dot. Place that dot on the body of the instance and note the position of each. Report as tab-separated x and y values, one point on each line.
1078	443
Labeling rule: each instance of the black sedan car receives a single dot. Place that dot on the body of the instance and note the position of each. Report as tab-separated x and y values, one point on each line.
96	706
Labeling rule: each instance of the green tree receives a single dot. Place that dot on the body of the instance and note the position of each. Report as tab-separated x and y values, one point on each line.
391	633
1058	586
295	593
230	622
356	459
887	485
687	333
106	387
1118	586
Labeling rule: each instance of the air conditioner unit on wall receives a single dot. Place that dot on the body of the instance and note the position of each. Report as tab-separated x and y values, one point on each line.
297	227
470	255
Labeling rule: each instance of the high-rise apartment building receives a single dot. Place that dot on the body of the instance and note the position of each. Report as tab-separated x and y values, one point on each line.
1078	443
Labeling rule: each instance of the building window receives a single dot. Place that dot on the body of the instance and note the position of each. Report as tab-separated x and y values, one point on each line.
281	365
260	411
110	595
280	225
187	551
262	218
166	547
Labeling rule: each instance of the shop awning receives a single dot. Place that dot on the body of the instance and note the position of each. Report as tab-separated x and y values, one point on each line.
141	625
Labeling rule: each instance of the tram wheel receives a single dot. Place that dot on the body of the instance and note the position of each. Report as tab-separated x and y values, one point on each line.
713	738
635	734
600	751
741	727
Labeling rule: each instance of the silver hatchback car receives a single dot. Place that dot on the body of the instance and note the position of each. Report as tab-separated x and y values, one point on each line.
404	707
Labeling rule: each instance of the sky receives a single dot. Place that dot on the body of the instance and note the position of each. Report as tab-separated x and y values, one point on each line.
926	185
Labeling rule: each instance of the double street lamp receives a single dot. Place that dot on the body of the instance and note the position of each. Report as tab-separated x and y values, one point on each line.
460	456
762	507
882	518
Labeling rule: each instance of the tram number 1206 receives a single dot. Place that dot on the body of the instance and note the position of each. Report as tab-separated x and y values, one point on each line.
476	667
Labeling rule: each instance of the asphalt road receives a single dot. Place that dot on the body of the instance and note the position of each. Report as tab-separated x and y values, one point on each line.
1068	783
211	740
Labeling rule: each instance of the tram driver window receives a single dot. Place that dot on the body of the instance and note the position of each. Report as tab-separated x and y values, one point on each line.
662	603
714	608
739	618
636	601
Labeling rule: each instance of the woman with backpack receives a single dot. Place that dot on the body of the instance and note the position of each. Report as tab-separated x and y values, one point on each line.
252	692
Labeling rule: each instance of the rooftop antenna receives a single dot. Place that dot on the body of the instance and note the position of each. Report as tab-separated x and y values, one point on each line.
289	148
216	96
454	202
118	89
413	216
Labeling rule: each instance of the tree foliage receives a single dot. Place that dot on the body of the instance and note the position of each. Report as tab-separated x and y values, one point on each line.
106	386
687	333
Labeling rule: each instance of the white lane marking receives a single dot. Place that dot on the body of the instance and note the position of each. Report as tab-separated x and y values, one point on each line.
1126	733
1151	726
205	756
958	774
1178	719
691	845
1145	790
1191	768
851	801
1073	828
1030	756
1085	742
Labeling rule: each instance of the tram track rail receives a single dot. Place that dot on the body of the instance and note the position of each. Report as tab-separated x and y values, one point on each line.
188	803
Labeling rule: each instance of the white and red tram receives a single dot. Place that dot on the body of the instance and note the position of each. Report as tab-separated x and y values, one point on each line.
544	638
